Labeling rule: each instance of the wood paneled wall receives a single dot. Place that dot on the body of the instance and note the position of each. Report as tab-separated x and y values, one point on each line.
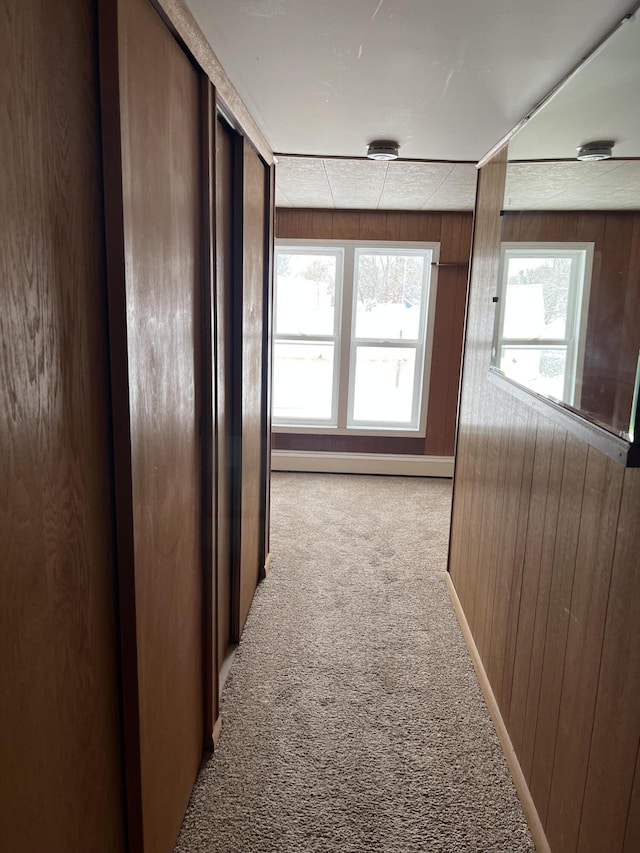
60	744
108	611
544	560
613	330
453	232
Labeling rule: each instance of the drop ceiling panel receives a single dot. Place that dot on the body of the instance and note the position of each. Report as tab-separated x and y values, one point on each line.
572	185
415	181
301	179
369	185
457	191
356	183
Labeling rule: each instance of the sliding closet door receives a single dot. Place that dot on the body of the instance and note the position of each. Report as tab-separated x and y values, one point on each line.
251	421
60	739
207	384
155	306
224	363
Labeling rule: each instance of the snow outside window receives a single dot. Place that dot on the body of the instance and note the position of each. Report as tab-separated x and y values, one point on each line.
540	331
352	335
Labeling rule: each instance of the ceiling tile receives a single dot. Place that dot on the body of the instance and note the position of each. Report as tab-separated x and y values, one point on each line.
303	182
356	183
573	185
409	186
371	185
457	191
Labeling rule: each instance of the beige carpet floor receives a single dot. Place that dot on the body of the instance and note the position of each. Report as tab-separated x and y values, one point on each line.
352	718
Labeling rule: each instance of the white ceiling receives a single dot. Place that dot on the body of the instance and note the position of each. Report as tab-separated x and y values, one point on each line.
600	102
447	80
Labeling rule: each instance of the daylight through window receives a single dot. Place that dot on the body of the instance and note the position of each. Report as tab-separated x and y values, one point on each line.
543	289
351	334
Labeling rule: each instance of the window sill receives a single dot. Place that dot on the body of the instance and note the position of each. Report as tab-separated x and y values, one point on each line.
382	432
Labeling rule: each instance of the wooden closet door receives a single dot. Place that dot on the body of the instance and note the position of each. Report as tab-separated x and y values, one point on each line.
156	304
61	785
250	426
224	385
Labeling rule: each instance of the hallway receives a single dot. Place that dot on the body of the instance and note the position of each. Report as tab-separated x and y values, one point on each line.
352	717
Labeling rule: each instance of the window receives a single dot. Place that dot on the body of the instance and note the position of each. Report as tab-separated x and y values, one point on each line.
308	298
540	333
351	335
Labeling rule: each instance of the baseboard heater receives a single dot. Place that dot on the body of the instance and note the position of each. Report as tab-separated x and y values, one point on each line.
362	463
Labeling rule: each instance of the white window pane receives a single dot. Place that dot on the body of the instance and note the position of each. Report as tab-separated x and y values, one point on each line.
537	297
539	368
389	289
302	380
305	293
384	383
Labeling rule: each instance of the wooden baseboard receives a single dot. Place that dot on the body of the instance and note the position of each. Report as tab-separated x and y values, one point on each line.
392	464
520	783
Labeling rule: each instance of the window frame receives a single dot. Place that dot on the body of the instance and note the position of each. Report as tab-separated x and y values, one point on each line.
342	422
338	253
577	310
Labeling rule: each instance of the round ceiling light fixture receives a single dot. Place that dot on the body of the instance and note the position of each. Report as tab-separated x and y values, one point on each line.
595	151
383	149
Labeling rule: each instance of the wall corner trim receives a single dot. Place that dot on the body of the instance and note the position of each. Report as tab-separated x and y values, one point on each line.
402	465
517	776
266	568
217	731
